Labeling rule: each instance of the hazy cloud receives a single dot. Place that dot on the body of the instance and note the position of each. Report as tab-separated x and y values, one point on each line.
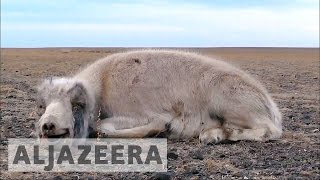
159	23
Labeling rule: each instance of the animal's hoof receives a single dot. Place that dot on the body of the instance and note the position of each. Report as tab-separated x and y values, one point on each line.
213	136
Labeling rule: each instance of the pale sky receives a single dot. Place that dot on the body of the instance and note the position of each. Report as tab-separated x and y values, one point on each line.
159	23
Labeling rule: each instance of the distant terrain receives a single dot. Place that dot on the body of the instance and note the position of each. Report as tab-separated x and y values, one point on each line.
291	75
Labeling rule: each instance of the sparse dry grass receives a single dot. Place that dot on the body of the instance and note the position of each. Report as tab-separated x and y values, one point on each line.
290	74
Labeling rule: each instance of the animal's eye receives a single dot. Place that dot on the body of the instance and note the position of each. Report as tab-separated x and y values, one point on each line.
41	106
41	109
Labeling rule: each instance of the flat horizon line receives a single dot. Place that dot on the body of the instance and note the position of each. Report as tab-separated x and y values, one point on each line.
160	47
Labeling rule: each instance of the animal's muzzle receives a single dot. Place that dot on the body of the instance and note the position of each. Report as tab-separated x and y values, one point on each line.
50	129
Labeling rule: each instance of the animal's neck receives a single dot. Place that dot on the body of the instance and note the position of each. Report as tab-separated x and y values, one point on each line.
93	77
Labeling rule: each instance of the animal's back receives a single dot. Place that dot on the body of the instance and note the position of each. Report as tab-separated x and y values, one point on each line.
156	80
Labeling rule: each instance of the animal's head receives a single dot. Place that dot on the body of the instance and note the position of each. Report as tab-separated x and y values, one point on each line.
64	109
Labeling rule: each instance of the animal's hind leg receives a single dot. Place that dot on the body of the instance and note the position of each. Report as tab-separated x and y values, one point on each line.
216	135
262	132
235	130
259	134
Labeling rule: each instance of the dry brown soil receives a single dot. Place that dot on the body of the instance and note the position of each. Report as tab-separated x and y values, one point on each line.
290	74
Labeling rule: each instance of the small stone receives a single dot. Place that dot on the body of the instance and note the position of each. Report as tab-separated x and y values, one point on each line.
306	117
222	156
163	176
173	149
10	96
90	178
172	155
194	178
194	170
185	162
283	157
197	155
57	178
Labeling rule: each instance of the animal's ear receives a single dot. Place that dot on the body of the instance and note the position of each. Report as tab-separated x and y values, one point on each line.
78	94
48	80
44	84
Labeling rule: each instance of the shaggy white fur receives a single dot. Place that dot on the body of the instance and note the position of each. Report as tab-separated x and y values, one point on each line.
149	92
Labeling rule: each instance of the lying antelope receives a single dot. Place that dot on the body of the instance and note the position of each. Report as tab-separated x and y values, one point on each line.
152	92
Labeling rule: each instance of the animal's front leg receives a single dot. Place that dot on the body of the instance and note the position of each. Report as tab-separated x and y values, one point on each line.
111	128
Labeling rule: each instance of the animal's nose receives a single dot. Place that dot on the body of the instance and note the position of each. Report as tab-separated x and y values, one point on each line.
48	127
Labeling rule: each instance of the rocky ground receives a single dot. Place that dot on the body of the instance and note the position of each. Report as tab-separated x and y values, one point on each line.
291	76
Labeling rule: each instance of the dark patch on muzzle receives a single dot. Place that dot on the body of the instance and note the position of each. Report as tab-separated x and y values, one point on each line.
78	112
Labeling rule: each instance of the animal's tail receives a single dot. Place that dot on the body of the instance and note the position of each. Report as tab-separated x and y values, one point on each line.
275	117
270	130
